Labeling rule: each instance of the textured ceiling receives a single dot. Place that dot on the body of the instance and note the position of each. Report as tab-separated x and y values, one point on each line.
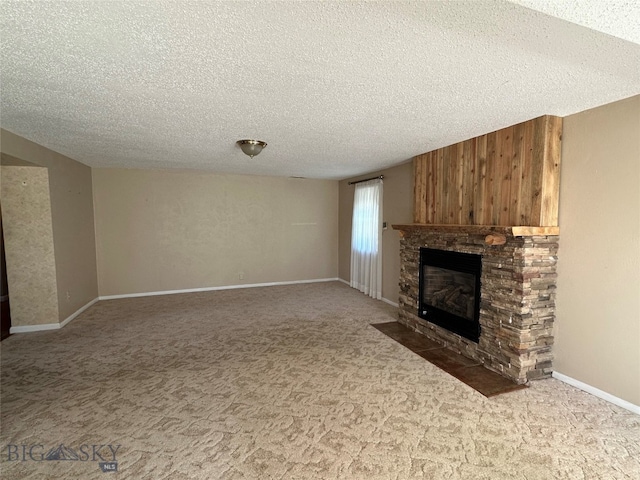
335	88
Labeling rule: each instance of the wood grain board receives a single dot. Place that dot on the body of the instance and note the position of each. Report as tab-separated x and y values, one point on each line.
515	231
507	177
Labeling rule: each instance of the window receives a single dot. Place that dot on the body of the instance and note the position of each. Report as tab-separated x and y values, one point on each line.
366	238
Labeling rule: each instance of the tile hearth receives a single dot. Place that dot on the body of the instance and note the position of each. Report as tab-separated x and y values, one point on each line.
464	369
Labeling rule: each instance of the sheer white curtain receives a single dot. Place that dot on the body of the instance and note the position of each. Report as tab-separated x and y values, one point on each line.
366	238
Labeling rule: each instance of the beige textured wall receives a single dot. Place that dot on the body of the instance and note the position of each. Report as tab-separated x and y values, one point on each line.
397	208
28	235
175	230
598	300
72	219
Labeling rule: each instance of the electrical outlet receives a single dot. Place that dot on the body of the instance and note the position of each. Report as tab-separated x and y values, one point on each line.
240	275
68	296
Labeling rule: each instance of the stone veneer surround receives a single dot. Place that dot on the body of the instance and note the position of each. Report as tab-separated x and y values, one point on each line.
517	304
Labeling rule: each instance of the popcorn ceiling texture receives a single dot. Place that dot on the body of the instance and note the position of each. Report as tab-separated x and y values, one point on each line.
336	88
619	18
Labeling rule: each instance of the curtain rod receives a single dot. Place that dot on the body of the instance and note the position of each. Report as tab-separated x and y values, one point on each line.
367	179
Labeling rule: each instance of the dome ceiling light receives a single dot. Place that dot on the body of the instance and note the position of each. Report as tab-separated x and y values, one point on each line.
251	147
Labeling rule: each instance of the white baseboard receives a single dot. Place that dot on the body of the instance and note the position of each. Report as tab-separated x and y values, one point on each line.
50	326
78	312
211	289
597	392
34	328
385	300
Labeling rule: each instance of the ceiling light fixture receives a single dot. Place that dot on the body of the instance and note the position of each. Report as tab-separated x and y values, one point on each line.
251	147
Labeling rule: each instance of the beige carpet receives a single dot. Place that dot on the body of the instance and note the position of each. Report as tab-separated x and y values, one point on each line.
281	383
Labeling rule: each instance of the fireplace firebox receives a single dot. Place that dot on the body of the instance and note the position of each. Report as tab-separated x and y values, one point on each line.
449	291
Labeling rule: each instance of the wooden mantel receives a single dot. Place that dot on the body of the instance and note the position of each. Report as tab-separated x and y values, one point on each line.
515	231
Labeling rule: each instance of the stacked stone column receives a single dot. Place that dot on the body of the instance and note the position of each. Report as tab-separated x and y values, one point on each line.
517	304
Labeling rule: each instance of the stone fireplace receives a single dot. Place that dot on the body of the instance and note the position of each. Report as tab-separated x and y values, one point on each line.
493	196
517	293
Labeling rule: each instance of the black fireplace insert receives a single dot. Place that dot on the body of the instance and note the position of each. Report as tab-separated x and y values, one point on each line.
450	291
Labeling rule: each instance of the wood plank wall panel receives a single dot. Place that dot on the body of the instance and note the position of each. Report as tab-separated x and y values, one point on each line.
510	177
468	167
430	208
551	173
422	174
480	191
